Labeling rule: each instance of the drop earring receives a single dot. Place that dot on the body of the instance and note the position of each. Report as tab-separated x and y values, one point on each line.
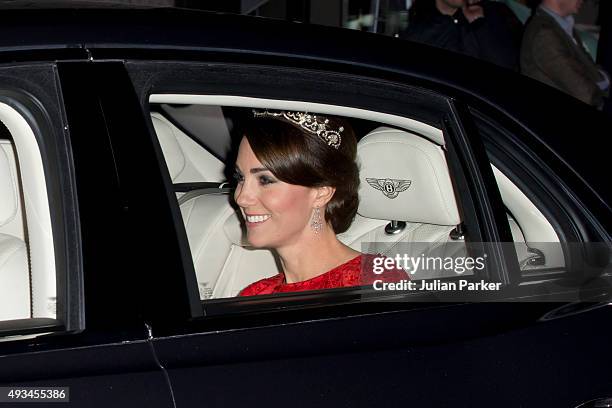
316	223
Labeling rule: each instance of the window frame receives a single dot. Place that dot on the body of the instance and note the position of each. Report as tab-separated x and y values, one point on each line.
249	80
32	92
524	159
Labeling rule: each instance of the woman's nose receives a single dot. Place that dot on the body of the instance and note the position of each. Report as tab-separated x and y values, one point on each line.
244	195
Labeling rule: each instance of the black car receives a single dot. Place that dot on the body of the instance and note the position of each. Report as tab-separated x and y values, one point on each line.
121	253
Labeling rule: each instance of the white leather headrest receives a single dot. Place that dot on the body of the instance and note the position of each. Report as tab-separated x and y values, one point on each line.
8	199
175	158
405	177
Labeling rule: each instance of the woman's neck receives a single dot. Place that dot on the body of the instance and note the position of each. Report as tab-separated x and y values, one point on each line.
314	256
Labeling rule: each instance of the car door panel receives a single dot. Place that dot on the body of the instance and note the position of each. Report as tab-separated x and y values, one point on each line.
480	355
119	375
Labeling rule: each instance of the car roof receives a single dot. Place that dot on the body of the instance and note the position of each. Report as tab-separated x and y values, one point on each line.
68	4
558	119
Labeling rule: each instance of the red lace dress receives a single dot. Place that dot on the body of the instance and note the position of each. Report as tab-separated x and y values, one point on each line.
356	272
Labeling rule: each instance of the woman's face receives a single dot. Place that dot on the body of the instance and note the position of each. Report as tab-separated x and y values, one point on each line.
276	213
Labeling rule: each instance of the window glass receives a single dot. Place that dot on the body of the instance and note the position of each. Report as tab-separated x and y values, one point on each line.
408	215
536	242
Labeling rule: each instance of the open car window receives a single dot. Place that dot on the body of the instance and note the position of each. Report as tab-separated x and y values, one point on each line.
455	217
408	207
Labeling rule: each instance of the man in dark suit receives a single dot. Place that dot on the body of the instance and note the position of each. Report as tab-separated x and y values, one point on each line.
487	30
553	53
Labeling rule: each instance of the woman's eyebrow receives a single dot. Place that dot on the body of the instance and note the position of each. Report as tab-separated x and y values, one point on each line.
255	170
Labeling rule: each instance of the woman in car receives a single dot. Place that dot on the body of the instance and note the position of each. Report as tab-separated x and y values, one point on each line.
297	187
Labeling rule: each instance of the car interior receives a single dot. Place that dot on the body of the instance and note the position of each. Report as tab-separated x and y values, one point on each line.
14	268
422	219
196	139
27	259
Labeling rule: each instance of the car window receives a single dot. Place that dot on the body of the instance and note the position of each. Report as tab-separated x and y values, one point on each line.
536	241
27	263
534	223
431	230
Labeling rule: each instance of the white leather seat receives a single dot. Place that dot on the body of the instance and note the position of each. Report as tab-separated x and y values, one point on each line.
221	258
15	302
223	261
404	178
187	161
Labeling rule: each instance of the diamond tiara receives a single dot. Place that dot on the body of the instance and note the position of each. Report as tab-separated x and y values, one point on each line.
308	122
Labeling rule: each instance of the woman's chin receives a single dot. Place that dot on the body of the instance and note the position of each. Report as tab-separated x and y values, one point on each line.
257	242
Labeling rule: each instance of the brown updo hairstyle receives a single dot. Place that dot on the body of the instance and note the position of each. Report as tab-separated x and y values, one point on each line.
299	157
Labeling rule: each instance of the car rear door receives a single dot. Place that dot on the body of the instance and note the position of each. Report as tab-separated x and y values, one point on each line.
92	348
328	352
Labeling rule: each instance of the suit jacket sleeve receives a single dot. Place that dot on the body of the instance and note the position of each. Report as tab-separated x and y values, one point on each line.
551	56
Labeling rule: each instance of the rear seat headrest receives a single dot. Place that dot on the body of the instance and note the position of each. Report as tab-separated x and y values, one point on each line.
404	177
8	201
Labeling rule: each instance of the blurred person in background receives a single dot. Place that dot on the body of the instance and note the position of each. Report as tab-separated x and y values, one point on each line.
604	49
487	30
553	53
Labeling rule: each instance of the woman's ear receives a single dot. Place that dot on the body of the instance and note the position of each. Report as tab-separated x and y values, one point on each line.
324	194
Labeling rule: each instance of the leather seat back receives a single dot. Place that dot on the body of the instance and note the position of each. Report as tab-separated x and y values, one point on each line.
404	178
187	161
15	298
223	261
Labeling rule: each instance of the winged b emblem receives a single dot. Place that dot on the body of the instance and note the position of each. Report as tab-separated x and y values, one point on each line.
389	187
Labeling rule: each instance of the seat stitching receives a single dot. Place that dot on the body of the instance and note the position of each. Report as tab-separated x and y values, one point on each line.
181	150
189	212
401	237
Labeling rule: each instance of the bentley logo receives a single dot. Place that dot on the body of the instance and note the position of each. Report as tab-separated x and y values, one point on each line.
389	187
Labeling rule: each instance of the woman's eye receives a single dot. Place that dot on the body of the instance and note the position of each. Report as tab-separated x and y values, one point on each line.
238	177
263	180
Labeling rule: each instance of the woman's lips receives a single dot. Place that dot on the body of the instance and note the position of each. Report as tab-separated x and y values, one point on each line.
256	219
